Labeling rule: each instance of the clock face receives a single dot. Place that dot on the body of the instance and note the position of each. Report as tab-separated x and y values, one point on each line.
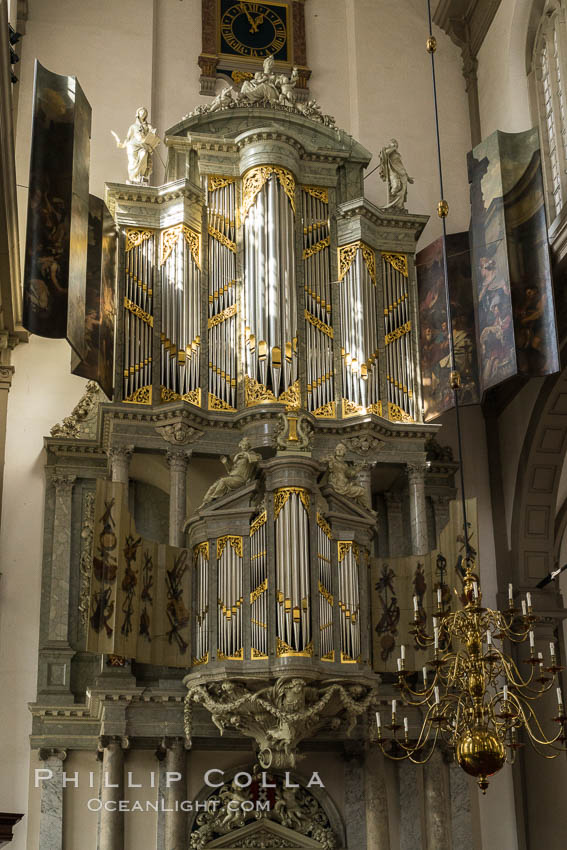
254	30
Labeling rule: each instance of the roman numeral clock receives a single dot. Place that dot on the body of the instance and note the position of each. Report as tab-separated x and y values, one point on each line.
239	34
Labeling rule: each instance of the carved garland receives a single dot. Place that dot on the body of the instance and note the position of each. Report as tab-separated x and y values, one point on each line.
256	178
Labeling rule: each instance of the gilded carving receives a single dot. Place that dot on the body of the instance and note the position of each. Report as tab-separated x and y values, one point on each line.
137	311
258	591
326	411
143	395
344	546
396	414
222	316
256	393
235	542
216	403
397	261
201	551
258	523
324	526
282	495
351	409
319	246
256	178
317	192
291	397
317	323
219	181
347	254
326	594
135	237
220	237
398	333
169	239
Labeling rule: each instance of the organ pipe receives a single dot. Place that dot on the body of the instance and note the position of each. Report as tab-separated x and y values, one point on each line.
138	313
259	583
293	592
230	598
400	372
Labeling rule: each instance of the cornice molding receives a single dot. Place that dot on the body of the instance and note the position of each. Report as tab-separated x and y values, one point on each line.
466	22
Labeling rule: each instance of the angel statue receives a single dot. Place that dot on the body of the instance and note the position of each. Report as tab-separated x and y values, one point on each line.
343	477
140	143
241	472
393	172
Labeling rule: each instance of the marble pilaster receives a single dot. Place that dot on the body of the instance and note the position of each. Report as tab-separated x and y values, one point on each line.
60	558
440	512
355	815
418	512
112	790
410	808
437	803
51	803
461	813
177	461
376	800
119	457
395	524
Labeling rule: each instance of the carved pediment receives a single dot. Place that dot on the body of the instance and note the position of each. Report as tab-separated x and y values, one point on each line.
265	834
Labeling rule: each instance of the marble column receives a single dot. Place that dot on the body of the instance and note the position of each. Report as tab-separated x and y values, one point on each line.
112	791
376	800
395	524
418	513
365	479
51	803
119	457
175	792
60	558
177	461
437	803
6	374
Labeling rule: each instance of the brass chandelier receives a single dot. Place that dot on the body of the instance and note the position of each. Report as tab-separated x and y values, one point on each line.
473	698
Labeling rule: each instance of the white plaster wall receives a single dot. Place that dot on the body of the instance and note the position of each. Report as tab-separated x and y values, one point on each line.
502	81
370	69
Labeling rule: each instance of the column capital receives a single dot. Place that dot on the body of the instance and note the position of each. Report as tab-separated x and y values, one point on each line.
120	452
63	481
416	470
178	459
106	741
46	753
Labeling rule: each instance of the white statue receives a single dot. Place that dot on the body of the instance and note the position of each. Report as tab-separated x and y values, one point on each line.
241	472
262	86
140	143
287	87
343	477
394	174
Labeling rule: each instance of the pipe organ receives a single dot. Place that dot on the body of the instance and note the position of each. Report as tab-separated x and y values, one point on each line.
293	594
263	282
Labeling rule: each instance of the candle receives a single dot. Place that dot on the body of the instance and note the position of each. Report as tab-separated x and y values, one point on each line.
403	652
415	606
505	689
475	590
424	671
399	665
524	609
552	652
532	639
436	692
529	599
489	638
511	595
540	656
406	726
436	637
439	596
394	707
378	721
559	699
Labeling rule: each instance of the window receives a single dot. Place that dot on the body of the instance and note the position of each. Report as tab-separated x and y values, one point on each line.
550	57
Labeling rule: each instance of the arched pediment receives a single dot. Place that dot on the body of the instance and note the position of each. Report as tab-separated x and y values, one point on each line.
265	834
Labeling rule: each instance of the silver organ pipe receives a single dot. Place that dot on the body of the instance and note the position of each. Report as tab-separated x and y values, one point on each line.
324	585
259	583
359	306
317	277
221	197
201	560
230	599
180	311
400	373
269	280
293	594
138	314
349	599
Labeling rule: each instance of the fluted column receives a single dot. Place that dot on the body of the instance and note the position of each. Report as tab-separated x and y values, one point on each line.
177	461
51	803
175	792
376	799
112	790
418	513
61	558
395	524
437	803
119	457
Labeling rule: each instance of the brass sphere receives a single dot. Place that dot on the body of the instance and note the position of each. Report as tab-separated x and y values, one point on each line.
480	753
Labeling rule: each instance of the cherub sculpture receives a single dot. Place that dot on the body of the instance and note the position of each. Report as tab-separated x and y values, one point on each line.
343	477
240	473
